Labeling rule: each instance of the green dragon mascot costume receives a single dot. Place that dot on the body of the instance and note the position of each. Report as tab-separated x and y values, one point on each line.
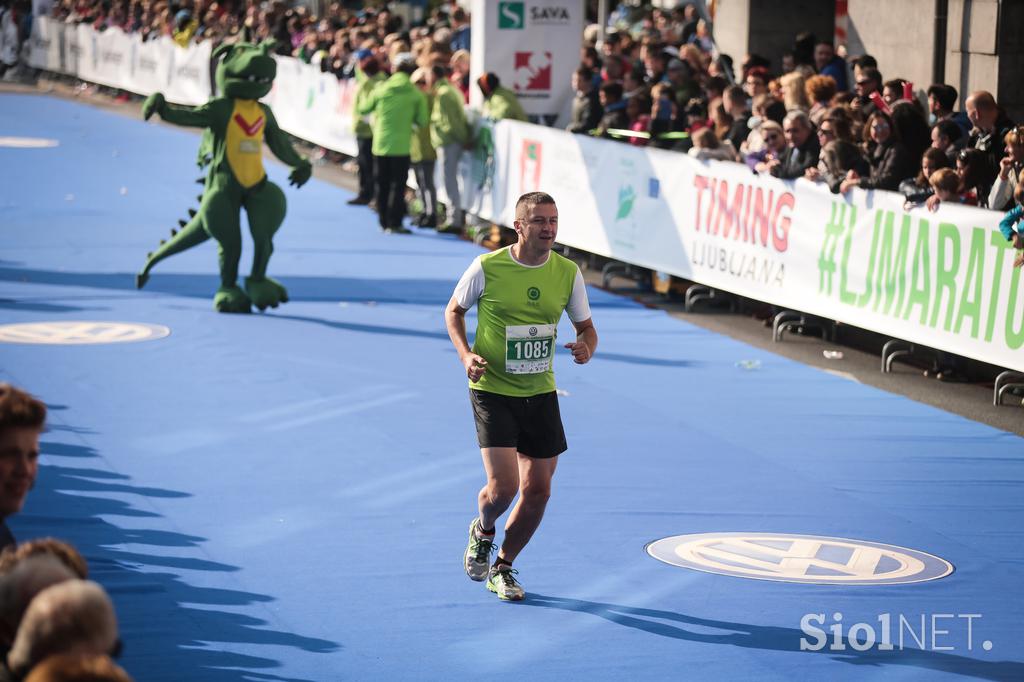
236	126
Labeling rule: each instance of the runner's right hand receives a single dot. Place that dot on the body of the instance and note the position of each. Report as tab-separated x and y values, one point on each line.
475	366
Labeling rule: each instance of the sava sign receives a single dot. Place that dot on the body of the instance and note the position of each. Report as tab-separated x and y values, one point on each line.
533	47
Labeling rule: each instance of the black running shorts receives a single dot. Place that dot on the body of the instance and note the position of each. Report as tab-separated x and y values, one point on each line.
533	425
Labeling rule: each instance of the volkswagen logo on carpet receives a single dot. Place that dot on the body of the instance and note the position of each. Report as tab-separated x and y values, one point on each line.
79	333
799	558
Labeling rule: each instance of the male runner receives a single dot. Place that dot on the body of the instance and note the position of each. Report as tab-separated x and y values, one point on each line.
521	292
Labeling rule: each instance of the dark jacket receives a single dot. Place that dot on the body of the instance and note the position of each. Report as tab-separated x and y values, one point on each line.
739	130
991	143
614	117
844	157
891	164
915	193
586	113
796	160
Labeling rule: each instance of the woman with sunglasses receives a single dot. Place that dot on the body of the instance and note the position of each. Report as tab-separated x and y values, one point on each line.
890	161
838	157
774	147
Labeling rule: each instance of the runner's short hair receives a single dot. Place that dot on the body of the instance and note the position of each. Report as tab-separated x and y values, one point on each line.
531	199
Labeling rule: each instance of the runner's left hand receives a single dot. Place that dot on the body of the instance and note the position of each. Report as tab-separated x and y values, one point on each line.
580	352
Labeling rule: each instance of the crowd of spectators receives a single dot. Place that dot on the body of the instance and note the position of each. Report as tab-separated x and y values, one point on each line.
655	79
55	624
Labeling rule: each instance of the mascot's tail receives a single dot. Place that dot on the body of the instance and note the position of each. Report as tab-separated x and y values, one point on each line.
190	234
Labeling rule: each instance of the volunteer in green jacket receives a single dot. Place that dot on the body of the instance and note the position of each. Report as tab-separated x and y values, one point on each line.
520	292
396	106
368	77
449	132
424	158
499	102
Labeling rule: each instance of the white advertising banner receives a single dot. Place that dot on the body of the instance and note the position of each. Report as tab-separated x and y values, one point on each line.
533	46
945	280
189	73
313	105
46	44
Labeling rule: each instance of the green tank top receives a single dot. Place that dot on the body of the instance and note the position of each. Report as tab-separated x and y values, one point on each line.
517	318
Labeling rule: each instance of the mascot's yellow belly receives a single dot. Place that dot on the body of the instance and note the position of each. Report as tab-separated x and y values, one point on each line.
245	142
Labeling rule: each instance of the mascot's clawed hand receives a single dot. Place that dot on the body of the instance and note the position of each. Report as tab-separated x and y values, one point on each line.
236	126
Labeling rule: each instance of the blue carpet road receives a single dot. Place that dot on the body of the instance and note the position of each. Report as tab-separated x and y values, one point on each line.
284	496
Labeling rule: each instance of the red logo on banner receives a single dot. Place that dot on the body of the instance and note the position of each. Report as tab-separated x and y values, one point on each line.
532	71
530	166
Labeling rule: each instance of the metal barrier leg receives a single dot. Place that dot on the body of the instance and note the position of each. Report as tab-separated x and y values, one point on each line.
1004	382
787	319
612	270
695	294
894	348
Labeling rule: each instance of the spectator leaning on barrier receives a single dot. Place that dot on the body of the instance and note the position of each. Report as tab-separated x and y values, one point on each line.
917	189
890	161
803	148
424	158
1011	226
449	133
707	146
1000	198
946	185
368	77
22	419
586	106
990	127
397	106
499	102
774	148
838	157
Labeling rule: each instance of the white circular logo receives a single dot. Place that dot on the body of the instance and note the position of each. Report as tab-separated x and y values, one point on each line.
77	333
799	558
27	142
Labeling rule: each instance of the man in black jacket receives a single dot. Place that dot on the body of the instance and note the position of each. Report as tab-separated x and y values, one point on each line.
803	149
586	108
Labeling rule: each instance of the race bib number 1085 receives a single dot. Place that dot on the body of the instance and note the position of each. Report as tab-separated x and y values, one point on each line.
529	348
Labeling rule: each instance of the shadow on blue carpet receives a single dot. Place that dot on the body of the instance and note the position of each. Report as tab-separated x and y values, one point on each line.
153	604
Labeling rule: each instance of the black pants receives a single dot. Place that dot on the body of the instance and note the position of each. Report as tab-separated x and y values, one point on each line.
366	170
392	176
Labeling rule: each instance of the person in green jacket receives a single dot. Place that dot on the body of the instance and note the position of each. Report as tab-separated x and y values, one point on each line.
449	132
424	158
368	77
397	106
499	103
